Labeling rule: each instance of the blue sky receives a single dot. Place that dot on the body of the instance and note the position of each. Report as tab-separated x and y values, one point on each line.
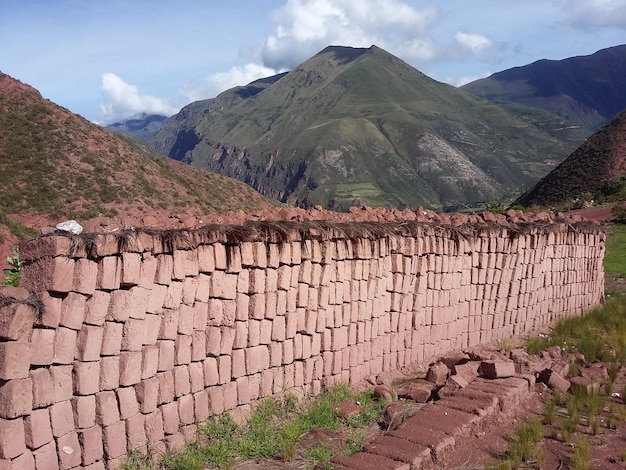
111	59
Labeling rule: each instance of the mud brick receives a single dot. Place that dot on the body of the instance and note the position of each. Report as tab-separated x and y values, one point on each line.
37	428
202	288
15	358
230	395
206	258
111	338
198	346
131	269
166	386
12	438
86	377
147	270
16	398
149	361
179	261
276	354
109	373
51	274
130	367
243	391
73	311
68	450
185	409
169	324
240	339
185	320
89	343
119	306
85	276
133	335
254	332
84	411
152	327
215	312
157	298
166	355
257	359
49	316
164	269
139	302
147	394
109	273
97	307
52	245
127	398
201	406
182	385
238	363
494	369
43	387
224	365
265	332
154	427
196	376
107	410
170	417
216	400
64	345
114	439
211	375
46	457
213	339
223	285
62	418
91	444
136	432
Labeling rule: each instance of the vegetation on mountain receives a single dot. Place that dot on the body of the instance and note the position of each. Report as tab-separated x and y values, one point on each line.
588	91
595	171
359	126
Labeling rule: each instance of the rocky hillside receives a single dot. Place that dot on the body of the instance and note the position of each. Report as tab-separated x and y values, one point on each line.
601	158
55	165
587	90
360	126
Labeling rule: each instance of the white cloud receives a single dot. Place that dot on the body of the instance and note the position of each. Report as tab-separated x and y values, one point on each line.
477	43
304	27
594	14
218	82
120	101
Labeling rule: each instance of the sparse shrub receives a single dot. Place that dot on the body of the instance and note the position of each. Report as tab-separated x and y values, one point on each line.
12	274
581	457
549	411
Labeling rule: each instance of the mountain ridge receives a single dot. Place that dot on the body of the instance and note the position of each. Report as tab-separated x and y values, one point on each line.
350	125
586	90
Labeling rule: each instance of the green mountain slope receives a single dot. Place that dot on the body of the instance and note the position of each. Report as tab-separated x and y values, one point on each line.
587	90
57	164
362	126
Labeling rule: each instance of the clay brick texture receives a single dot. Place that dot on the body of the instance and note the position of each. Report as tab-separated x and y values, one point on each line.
139	342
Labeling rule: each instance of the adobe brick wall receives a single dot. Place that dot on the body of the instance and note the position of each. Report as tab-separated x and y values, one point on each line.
122	341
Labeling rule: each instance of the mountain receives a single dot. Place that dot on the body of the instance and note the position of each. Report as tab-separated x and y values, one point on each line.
360	126
55	165
587	90
142	127
601	158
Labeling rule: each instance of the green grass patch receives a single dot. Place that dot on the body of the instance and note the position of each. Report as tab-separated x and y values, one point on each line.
615	257
273	431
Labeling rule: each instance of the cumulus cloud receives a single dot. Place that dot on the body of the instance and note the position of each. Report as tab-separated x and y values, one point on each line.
121	100
476	43
304	27
594	14
218	82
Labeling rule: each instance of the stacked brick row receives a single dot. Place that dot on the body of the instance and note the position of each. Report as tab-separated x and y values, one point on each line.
140	337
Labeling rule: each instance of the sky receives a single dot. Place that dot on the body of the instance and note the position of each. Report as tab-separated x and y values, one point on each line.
110	60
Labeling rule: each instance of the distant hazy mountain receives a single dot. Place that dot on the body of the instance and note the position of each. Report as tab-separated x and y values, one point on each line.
142	128
352	126
587	90
602	157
